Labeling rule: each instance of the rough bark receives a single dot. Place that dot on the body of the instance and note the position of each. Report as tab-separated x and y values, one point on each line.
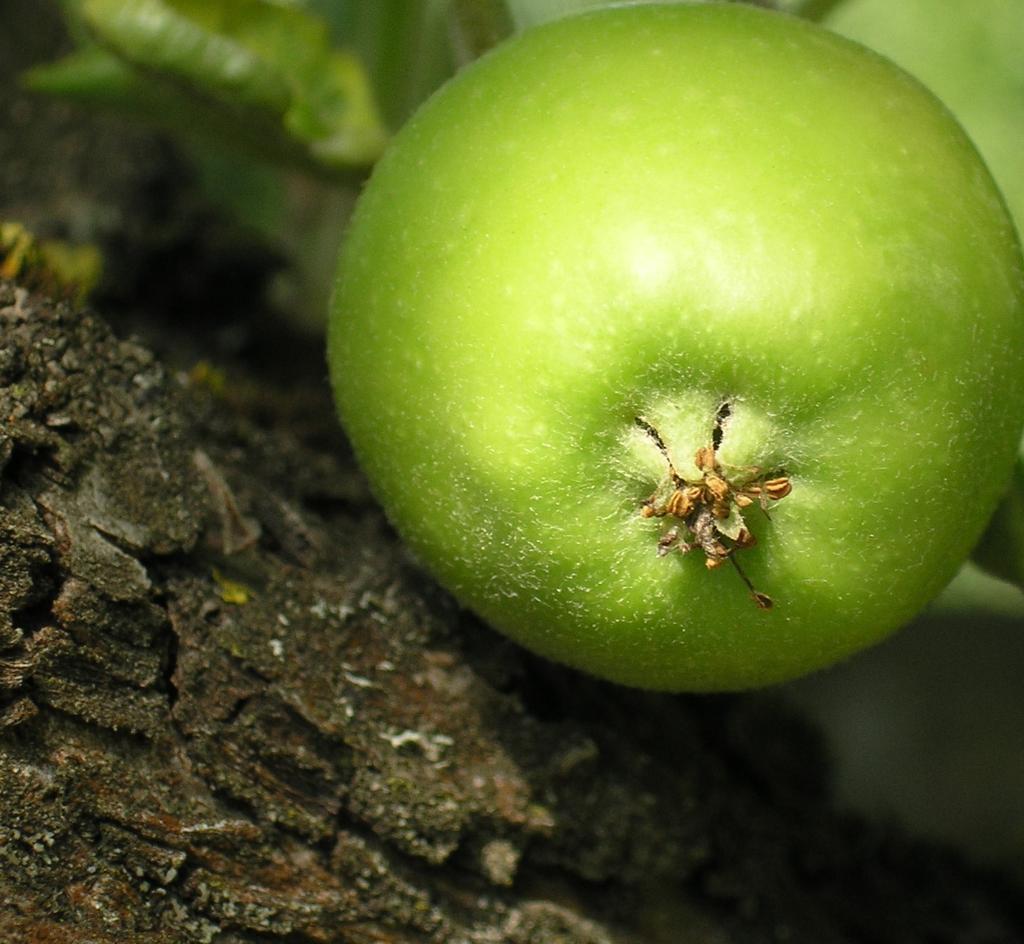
234	710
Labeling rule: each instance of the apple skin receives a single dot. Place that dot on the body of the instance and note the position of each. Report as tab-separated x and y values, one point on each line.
649	211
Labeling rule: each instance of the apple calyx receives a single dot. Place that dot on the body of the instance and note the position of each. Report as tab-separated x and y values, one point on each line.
711	509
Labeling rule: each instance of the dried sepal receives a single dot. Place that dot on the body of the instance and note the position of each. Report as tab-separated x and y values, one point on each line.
710	509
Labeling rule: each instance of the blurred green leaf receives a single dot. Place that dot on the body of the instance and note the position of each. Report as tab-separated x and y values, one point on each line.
406	47
253	73
166	38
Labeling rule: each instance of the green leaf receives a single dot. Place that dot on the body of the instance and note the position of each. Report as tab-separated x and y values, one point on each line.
405	46
93	76
155	38
252	73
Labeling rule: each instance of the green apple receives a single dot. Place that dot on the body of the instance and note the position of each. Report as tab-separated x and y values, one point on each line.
647	284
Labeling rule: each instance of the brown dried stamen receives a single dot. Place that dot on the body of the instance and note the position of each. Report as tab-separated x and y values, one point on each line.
703	506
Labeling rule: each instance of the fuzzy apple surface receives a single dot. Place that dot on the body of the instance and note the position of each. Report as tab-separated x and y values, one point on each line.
667	247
